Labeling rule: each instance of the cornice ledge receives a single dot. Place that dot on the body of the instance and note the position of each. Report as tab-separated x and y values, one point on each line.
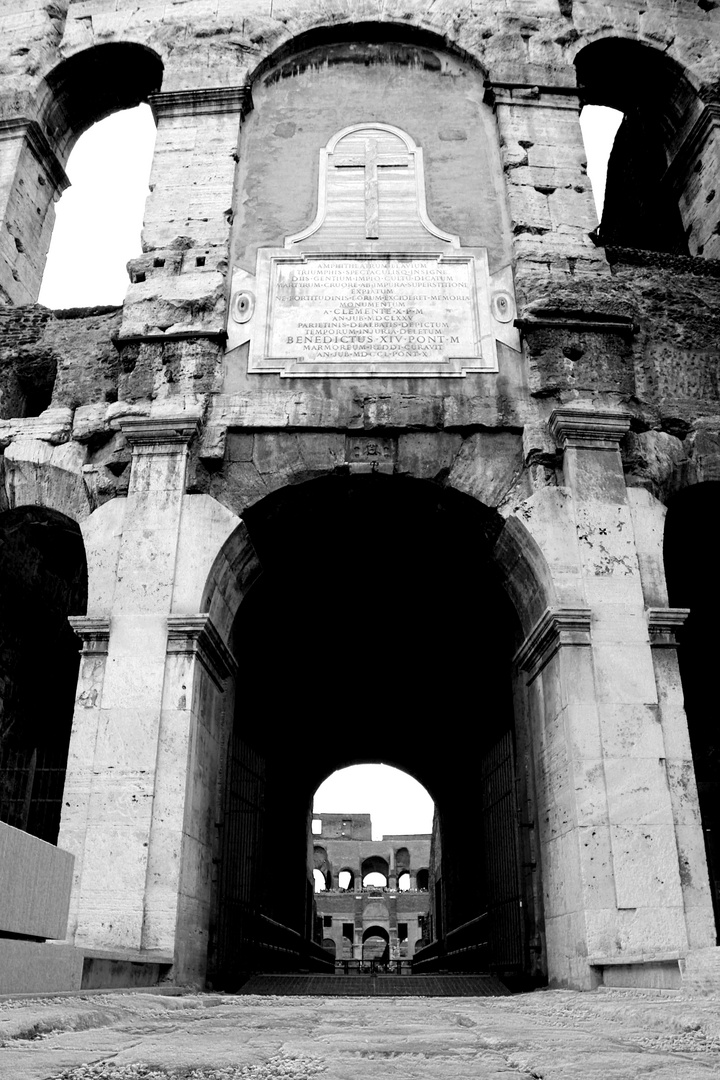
198	634
663	624
122	339
576	323
39	145
555	628
148	431
202	101
500	92
592	429
93	632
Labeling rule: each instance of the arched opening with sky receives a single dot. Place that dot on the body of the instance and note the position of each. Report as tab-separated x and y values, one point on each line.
396	802
99	218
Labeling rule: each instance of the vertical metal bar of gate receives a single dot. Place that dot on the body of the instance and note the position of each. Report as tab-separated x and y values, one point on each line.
240	860
501	845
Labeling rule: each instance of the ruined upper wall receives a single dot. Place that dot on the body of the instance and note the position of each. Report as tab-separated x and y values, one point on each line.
216	43
630	329
221	42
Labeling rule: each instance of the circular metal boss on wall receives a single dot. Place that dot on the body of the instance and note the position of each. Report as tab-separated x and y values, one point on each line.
243	306
502	306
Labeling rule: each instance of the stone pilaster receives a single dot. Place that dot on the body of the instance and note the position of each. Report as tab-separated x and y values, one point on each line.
663	626
557	658
193	735
78	794
549	193
693	175
632	900
129	752
193	172
31	180
197	136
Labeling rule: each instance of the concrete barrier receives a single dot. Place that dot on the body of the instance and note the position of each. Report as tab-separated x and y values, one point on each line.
35	883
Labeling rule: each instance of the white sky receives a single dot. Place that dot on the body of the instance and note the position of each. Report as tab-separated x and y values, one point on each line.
396	802
99	217
599	127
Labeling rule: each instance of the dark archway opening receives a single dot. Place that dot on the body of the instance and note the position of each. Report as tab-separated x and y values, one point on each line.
378	622
375	944
692	570
93	84
658	103
43	579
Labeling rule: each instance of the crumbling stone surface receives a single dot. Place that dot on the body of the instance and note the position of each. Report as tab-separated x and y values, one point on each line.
554	1035
65	358
171	325
88	364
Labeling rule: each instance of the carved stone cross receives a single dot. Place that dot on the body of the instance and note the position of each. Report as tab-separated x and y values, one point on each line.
371	161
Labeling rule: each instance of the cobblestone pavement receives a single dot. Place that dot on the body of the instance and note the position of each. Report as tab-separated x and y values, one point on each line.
553	1035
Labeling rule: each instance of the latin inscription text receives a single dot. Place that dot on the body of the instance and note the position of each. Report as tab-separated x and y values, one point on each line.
350	309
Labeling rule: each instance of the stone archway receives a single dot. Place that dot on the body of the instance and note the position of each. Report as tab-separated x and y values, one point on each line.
380	604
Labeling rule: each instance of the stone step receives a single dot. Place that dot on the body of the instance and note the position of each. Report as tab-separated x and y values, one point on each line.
475	985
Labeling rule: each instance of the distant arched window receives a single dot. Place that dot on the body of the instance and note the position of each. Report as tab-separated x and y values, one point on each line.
649	198
374	880
320	882
346	879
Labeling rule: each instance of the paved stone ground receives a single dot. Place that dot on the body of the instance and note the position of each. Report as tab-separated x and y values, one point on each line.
553	1035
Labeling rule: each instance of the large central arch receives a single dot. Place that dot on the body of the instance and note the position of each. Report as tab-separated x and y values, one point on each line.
380	630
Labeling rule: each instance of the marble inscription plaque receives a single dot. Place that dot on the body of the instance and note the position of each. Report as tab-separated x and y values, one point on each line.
372	287
362	313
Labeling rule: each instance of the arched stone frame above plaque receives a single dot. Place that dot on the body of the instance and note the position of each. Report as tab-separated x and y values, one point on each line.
365	155
372	287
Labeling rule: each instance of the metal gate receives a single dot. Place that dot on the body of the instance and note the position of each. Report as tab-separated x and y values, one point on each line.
240	863
31	789
501	846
